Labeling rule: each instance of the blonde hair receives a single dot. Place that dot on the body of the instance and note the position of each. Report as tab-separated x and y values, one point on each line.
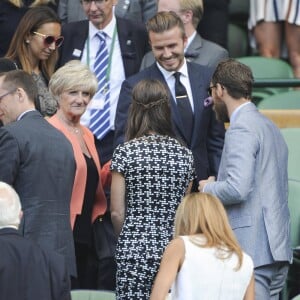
196	6
19	3
202	213
73	75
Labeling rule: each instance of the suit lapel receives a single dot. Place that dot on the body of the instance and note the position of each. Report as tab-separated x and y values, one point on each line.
82	35
196	81
127	45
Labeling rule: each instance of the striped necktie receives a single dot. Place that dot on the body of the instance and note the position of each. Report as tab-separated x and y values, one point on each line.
100	118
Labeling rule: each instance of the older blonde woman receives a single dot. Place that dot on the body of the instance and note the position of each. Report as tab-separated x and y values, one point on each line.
73	85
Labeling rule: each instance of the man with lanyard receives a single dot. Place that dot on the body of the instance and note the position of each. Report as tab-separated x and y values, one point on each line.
113	48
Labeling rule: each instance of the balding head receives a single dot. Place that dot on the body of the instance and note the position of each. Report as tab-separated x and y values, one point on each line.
10	206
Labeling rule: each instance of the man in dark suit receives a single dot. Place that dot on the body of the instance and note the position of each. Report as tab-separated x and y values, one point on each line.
37	160
126	42
27	270
206	136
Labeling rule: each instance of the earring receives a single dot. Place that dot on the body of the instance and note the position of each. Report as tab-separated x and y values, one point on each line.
27	41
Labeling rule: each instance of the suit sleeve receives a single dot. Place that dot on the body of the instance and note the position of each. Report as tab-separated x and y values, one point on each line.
62	11
122	113
148	10
240	151
9	157
215	143
59	277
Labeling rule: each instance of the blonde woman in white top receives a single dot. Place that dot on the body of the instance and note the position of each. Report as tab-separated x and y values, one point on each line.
204	260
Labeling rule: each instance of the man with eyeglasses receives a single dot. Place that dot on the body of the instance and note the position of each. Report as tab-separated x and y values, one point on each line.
38	161
126	43
197	49
192	115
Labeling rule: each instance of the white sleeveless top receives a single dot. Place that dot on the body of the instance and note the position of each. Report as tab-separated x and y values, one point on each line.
205	276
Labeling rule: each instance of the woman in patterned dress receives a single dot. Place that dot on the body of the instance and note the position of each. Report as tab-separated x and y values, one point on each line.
151	172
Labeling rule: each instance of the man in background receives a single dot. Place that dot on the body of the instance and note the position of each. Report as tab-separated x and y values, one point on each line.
125	44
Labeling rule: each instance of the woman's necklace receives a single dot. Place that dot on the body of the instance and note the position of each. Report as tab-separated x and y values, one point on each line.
69	125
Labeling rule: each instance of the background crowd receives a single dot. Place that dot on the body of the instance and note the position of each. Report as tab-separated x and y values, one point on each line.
118	108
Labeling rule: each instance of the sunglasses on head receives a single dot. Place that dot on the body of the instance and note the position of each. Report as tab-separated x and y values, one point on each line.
49	39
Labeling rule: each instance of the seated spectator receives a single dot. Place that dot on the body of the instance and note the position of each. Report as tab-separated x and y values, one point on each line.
151	172
204	260
27	271
34	49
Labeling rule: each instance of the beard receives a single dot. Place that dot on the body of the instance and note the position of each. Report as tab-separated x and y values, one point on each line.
221	112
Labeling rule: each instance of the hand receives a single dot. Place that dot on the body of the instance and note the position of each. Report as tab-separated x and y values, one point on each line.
202	183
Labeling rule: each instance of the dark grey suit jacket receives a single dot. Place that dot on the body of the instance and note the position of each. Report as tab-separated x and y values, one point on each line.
136	10
38	161
133	41
208	134
200	51
30	272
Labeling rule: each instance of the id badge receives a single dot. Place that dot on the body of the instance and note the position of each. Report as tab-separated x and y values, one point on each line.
97	103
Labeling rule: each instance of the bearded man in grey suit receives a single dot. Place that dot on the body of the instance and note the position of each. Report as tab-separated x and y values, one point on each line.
38	161
252	181
197	50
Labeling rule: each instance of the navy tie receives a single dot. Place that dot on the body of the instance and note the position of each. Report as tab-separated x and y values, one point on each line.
184	107
100	118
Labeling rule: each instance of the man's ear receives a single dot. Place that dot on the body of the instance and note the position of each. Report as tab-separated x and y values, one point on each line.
21	94
187	16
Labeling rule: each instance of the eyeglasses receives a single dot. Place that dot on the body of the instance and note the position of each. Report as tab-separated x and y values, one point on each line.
89	2
50	39
7	93
209	90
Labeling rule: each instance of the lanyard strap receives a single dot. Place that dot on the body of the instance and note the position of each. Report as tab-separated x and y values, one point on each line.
110	53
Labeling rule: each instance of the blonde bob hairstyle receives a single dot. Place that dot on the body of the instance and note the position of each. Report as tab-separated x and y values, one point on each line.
202	213
74	75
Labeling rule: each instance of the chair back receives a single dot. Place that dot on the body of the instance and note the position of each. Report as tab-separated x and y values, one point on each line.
92	295
285	100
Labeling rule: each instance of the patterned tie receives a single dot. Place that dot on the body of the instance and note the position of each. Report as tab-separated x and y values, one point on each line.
184	107
100	118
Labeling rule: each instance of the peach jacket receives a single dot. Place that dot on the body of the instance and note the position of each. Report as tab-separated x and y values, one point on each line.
81	171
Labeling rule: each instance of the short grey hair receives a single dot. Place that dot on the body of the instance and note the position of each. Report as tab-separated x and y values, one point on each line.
73	75
10	206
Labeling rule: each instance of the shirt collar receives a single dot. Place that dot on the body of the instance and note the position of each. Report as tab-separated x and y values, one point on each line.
167	74
235	112
108	29
24	113
189	41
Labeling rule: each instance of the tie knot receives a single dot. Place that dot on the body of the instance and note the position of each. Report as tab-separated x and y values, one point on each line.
101	35
177	75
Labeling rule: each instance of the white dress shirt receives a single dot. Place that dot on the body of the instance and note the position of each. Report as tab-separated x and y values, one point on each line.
117	73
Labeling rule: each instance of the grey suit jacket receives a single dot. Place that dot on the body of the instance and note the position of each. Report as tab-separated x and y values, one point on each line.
38	161
136	10
70	11
253	185
200	51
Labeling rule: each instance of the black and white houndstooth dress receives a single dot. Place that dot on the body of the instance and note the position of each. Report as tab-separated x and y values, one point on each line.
157	171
